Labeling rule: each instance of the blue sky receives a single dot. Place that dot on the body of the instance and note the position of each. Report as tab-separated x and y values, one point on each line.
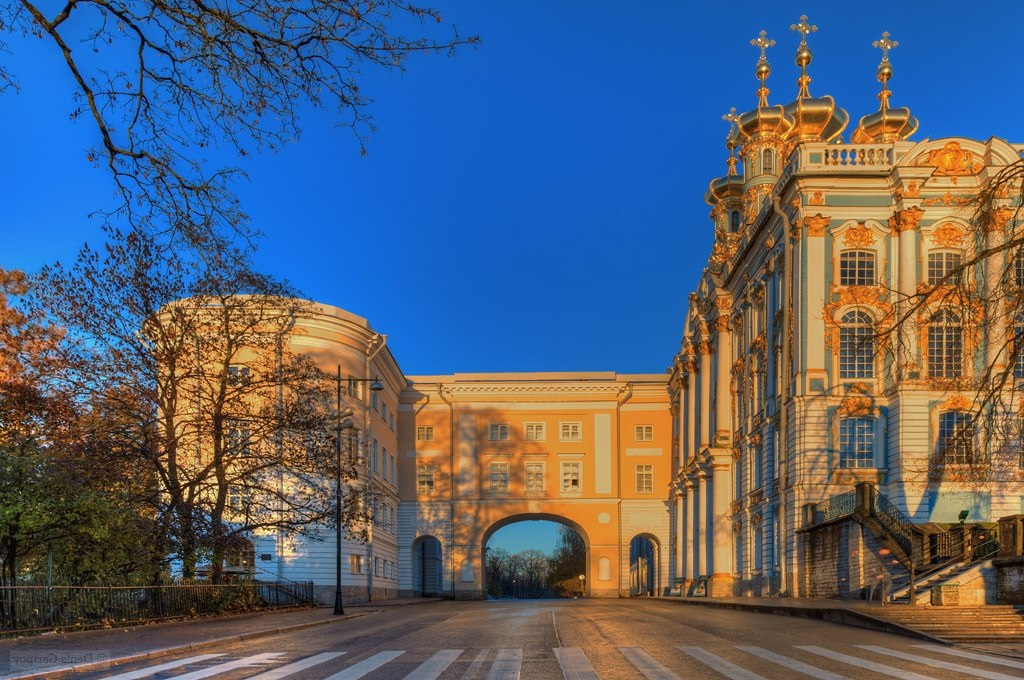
535	203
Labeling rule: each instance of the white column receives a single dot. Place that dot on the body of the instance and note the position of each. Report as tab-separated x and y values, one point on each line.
722	559
705	377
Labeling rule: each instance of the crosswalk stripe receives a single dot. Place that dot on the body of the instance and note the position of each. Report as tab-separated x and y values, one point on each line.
245	662
507	665
435	665
863	663
793	664
574	664
945	665
293	668
647	664
475	666
717	663
987	658
153	670
365	666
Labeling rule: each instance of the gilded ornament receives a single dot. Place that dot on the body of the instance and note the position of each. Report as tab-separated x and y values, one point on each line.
859	236
951	161
948	199
704	348
755	439
722	323
911	190
905	220
948	235
957	402
723	302
855	405
1000	218
817	198
817	224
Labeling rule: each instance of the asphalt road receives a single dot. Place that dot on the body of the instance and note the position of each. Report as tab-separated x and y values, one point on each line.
575	640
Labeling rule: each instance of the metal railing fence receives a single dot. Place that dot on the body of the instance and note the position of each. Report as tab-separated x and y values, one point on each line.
38	608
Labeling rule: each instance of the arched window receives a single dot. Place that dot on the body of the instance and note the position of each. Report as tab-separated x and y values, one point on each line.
857	268
734	221
940	264
856	346
857	442
955	443
945	345
768	162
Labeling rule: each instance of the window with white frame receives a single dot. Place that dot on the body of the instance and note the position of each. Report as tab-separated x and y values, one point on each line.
572	477
857	442
384	463
940	264
498	432
355	564
1018	271
376	455
374	400
239	375
424	433
394	470
570	432
955	442
857	268
497	478
1018	347
645	479
535	478
384	411
644	433
856	345
425	479
945	345
535	432
768	162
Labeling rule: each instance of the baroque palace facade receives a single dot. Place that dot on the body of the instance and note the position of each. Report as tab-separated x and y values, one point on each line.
783	398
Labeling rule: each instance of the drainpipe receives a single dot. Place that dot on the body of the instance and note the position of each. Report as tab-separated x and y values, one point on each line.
451	482
787	311
373	348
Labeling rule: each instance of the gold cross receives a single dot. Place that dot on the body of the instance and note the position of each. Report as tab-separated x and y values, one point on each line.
803	28
731	116
763	42
885	45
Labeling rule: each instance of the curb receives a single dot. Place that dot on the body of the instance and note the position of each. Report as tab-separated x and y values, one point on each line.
68	671
840	615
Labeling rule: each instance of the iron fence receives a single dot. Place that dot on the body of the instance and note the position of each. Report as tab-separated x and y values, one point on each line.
38	608
896	523
841	505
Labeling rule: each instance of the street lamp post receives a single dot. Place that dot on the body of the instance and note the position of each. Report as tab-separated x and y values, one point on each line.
341	414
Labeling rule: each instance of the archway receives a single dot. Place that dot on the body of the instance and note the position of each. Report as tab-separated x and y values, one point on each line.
529	556
427	567
644	566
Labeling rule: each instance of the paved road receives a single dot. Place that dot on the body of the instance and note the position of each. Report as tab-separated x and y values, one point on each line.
575	640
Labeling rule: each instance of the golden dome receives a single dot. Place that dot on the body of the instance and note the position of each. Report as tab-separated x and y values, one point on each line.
814	118
885	125
764	120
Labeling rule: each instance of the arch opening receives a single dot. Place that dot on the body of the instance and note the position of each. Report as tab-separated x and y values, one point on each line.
427	567
644	561
535	556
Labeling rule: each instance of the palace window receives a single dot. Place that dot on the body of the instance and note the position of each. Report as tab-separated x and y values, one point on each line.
535	432
376	455
570	432
940	264
424	433
355	564
857	268
425	479
374	401
237	438
1018	271
1018	348
572	480
534	479
238	375
955	444
498	478
768	162
734	221
644	433
498	432
645	479
384	463
945	345
857	442
856	346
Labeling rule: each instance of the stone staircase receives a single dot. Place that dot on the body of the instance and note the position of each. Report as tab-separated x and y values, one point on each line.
989	623
923	585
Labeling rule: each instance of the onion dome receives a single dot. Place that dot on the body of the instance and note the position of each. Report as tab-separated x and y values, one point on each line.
732	183
885	125
815	118
764	120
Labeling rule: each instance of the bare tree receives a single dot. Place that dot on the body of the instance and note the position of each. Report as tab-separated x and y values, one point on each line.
167	83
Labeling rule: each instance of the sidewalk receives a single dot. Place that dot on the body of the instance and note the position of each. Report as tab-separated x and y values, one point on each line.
60	655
